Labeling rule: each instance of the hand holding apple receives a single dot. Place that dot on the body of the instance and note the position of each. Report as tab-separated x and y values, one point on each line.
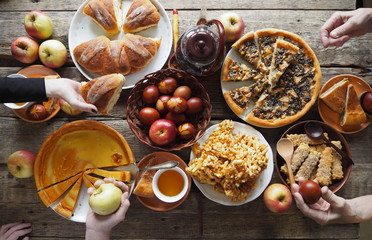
105	199
53	53
277	198
66	107
21	164
233	24
25	49
38	24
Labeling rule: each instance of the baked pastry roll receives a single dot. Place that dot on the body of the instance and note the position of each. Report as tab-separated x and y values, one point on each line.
103	91
308	166
106	13
142	14
323	174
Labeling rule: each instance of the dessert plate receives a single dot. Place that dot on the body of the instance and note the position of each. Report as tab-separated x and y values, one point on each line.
83	28
262	181
332	118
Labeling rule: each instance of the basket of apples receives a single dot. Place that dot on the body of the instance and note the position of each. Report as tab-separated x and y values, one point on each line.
168	109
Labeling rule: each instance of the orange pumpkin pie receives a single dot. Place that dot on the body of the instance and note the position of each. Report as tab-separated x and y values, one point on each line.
75	148
67	205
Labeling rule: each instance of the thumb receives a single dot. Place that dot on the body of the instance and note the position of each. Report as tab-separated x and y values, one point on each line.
331	198
344	29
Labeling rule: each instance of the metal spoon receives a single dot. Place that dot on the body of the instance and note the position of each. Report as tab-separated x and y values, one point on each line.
134	169
315	130
285	149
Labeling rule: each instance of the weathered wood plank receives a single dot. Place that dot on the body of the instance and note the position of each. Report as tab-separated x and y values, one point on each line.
250	220
305	23
71	5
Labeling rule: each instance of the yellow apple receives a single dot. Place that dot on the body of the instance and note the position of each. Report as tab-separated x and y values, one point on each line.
105	199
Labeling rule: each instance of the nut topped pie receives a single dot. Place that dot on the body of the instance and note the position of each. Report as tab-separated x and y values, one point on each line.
279	77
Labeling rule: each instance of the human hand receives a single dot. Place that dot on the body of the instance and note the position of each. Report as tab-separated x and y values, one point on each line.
329	209
101	225
13	231
68	90
342	26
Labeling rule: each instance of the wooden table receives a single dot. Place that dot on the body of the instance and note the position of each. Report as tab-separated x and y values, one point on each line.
197	217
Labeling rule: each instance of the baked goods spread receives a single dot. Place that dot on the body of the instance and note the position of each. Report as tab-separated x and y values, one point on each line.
72	151
313	160
230	162
285	73
103	91
342	98
125	56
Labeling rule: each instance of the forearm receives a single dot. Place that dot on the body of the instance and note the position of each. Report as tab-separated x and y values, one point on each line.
91	234
22	90
361	209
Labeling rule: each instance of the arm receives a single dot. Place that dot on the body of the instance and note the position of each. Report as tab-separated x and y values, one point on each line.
99	227
334	209
22	90
342	26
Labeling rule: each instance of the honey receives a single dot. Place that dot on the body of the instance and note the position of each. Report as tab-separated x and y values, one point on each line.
20	104
170	183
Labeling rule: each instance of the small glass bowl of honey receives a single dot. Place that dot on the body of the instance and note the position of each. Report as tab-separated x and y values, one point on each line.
170	185
20	104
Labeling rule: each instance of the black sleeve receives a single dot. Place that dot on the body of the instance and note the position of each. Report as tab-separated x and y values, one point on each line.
22	90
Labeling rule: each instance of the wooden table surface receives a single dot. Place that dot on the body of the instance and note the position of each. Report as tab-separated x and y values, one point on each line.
197	217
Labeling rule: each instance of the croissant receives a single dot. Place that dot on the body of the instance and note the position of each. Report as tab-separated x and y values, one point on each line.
142	14
103	91
106	13
126	56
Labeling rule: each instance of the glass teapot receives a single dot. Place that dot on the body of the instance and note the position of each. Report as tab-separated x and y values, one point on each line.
201	50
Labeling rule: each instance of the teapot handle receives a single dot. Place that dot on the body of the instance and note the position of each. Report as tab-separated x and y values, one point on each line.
221	44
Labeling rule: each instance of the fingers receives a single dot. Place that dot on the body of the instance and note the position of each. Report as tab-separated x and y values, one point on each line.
315	214
331	198
124	206
83	106
14	230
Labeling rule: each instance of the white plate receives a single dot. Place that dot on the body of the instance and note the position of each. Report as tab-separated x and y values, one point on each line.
82	206
262	181
83	28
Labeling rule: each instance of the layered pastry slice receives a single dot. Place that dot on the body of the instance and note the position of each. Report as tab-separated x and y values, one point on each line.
106	13
335	96
67	205
123	176
144	185
142	14
353	114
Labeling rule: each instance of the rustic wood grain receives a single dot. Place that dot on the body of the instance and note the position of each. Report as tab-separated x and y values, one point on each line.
305	23
72	5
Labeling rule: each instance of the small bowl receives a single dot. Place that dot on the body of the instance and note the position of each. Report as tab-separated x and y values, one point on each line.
333	135
18	105
156	186
135	104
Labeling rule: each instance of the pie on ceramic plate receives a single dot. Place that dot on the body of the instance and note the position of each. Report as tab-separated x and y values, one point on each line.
270	77
70	154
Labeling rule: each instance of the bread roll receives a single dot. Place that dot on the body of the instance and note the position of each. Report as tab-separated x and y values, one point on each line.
354	114
126	56
335	96
142	14
106	13
103	91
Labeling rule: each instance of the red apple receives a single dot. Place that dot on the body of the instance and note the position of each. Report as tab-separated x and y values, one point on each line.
53	53
233	25
66	107
38	24
277	198
25	49
21	164
163	132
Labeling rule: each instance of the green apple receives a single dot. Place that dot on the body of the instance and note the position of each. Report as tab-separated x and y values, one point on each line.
53	53
66	107
105	199
21	164
38	24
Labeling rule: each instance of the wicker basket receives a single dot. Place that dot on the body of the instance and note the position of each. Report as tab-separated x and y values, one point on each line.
135	104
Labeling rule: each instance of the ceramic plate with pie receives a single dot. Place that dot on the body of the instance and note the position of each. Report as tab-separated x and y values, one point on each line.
83	28
261	182
331	117
66	156
270	78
